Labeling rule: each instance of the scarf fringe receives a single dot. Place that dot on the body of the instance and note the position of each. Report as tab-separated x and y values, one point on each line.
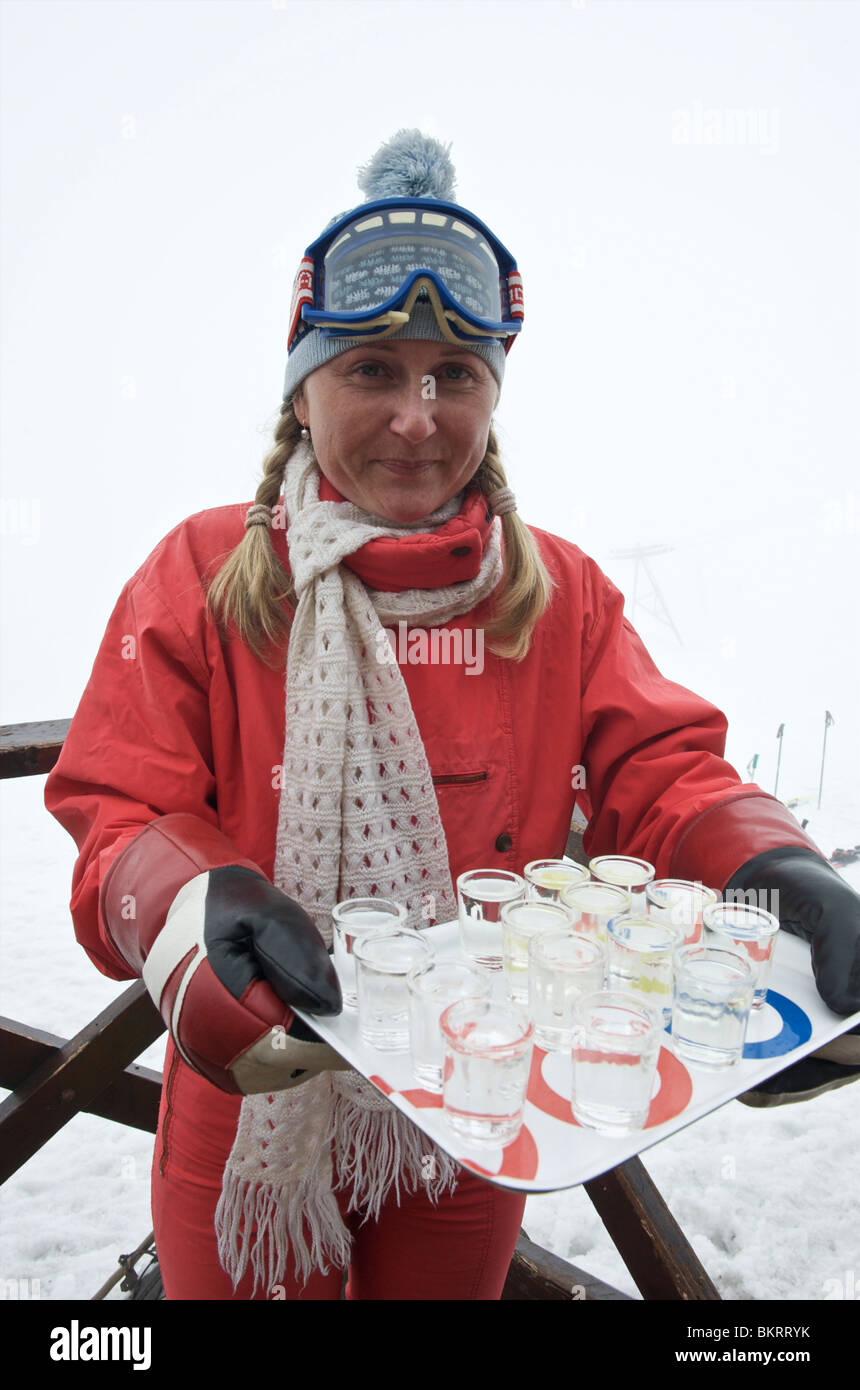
375	1150
260	1225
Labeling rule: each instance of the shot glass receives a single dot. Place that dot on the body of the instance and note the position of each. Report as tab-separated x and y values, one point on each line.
433	985
547	878
641	959
520	922
562	967
382	965
594	905
681	903
624	872
488	1051
480	896
353	919
616	1044
740	927
713	997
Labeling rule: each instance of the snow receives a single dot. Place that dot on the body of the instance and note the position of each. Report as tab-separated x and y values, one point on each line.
762	1196
83	1199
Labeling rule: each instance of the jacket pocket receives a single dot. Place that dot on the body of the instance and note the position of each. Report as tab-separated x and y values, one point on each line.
450	779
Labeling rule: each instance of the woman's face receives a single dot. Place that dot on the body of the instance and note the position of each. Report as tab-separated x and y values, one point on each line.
399	428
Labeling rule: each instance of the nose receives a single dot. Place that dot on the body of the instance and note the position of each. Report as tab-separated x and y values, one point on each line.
413	418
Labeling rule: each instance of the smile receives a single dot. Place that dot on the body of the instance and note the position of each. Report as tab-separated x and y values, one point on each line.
405	466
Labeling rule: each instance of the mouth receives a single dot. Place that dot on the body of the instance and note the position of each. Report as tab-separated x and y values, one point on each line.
407	466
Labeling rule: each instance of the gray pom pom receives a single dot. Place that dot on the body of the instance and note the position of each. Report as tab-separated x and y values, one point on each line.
409	165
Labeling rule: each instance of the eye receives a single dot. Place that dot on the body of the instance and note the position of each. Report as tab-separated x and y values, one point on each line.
455	371
370	369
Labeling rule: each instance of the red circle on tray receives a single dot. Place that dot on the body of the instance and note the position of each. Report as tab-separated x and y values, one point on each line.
673	1095
423	1100
519	1158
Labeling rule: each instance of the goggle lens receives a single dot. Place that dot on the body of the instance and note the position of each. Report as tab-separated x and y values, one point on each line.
372	257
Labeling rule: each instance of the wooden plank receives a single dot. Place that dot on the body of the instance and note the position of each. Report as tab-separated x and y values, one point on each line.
24	1047
658	1255
74	1076
536	1274
29	749
132	1099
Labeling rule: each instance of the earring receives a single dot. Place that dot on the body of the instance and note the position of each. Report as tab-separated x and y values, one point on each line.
306	434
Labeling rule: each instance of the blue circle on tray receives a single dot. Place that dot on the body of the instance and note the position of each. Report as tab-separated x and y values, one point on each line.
796	1029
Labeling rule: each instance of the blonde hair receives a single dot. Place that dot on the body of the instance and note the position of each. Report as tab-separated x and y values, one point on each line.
253	590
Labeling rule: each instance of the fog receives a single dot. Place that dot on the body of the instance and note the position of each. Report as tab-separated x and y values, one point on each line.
677	182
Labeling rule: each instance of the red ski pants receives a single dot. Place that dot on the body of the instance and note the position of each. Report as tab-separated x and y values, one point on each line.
458	1248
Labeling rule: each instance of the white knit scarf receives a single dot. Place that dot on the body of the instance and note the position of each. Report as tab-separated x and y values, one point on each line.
357	816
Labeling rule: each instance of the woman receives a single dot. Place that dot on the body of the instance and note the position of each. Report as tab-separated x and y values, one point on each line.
218	824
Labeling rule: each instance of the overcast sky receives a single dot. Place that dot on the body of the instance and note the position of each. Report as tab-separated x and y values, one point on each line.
677	180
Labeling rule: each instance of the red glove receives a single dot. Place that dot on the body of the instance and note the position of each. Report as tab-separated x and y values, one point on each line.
223	953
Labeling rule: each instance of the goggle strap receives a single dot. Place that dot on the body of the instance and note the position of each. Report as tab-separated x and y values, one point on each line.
303	293
443	315
470	331
391	321
516	303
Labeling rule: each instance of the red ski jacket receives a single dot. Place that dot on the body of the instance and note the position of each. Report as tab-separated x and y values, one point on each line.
176	719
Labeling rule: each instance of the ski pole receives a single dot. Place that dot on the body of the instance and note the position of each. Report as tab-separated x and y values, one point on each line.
828	720
779	733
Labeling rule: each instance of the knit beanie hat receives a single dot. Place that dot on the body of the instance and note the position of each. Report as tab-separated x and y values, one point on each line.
409	165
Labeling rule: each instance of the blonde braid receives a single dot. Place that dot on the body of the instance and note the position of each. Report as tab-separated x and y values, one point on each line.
252	588
527	584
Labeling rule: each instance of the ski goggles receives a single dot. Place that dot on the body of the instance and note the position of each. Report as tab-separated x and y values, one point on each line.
362	277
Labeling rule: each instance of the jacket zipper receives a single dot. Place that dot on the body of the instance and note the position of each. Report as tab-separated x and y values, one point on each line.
449	777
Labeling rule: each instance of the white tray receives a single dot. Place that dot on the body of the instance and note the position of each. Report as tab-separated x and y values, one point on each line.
552	1151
